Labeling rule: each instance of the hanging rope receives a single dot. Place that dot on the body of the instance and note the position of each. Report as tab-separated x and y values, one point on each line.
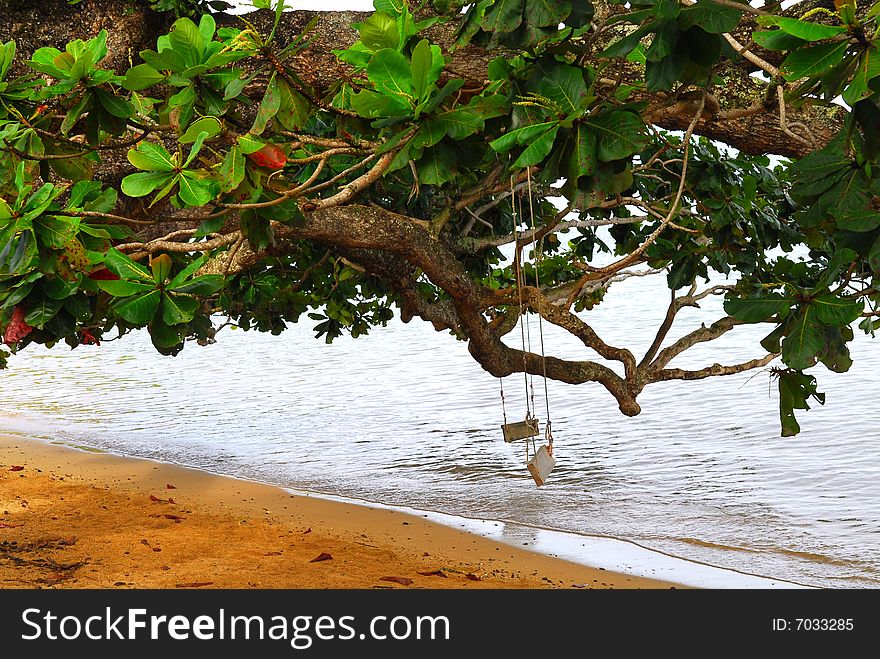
519	285
539	250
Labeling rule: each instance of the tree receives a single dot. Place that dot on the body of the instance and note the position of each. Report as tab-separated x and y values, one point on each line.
345	165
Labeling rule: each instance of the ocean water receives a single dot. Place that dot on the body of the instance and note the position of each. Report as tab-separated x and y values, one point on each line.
405	417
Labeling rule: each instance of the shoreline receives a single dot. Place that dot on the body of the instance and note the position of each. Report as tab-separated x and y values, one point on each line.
77	518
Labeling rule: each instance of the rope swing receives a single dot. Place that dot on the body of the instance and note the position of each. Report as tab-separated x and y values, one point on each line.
541	461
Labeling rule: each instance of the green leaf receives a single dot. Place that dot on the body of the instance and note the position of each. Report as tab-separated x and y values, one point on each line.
814	60
177	309
195	190
521	135
620	134
56	232
538	149
583	155
141	76
802	29
458	124
874	256
257	230
832	310
794	391
193	267
151	157
232	171
564	85
208	125
435	167
268	106
167	339
209	226
389	71
665	73
123	288
116	106
204	285
140	309
859	221
777	40
161	267
710	16
505	16
143	183
757	309
43	312
379	31
250	144
58	288
294	109
187	41
803	343
118	263
420	69
547	12
625	46
370	104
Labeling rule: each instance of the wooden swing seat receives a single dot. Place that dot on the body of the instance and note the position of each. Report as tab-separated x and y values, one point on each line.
521	430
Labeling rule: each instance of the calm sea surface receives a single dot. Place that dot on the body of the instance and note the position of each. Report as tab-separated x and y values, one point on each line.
405	417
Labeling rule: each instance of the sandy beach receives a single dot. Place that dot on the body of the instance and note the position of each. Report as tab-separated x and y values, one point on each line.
72	518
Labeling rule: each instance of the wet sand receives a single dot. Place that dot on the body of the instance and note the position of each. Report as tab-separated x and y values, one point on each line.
72	518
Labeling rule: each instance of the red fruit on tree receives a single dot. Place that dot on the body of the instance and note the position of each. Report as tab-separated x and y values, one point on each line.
270	157
17	328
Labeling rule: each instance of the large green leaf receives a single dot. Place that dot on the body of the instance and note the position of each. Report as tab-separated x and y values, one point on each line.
390	72
521	135
623	47
187	41
195	190
547	12
505	16
583	154
269	106
803	343
435	167
204	285
56	232
379	31
177	309
143	183
123	288
710	16
538	150
293	111
794	391
208	125
860	221
42	312
813	60
777	40
232	170
420	69
565	86
140	309
120	264
151	157
620	134
757	309
803	29
833	310
141	76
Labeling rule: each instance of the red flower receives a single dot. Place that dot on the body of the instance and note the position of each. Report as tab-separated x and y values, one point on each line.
103	274
17	328
88	339
270	157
